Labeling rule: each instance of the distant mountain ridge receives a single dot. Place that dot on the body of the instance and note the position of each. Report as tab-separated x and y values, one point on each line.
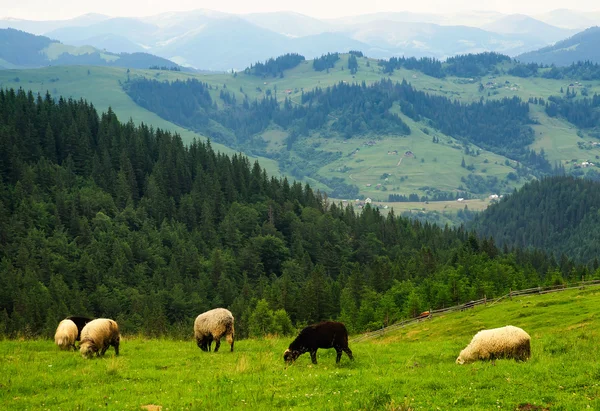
582	46
24	50
220	41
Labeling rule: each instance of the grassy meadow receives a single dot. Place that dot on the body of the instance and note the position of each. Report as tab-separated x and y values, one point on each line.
409	369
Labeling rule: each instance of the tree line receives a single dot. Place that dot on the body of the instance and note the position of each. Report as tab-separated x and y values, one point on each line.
466	65
274	67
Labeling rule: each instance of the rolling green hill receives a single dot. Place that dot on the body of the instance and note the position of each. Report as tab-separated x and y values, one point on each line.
23	50
409	369
582	46
436	165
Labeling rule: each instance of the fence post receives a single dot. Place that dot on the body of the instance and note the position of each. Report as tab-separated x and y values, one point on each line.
484	299
510	293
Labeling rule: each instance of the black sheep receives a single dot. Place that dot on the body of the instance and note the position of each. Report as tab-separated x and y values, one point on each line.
328	334
80	322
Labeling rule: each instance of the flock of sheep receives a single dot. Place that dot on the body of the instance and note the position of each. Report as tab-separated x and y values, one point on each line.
96	336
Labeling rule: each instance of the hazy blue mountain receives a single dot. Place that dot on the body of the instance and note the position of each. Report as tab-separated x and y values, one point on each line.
24	50
580	47
570	19
134	30
289	23
522	24
111	42
211	40
224	44
418	39
471	18
42	27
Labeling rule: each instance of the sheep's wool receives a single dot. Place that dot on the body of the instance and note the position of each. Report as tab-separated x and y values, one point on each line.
504	342
66	334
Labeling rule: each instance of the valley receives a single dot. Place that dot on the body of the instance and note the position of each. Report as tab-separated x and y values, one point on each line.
362	160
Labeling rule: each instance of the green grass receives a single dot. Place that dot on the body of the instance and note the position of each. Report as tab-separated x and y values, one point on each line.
409	369
54	50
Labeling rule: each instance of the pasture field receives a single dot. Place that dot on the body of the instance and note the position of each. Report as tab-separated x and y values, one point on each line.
410	369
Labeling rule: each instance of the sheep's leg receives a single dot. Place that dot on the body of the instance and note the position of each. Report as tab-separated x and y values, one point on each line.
338	356
104	348
230	340
217	344
116	345
313	356
349	352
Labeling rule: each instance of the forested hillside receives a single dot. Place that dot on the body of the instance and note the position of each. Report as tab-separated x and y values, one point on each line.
349	110
558	214
108	219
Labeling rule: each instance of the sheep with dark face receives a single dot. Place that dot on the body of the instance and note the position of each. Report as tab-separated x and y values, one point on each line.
503	342
212	326
80	322
327	334
66	334
97	336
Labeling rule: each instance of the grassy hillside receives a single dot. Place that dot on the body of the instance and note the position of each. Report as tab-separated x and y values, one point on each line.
413	368
25	50
437	165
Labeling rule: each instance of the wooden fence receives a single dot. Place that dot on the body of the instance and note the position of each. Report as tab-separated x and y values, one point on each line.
471	304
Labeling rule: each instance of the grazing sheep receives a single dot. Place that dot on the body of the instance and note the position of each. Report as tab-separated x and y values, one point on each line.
214	325
504	342
80	322
66	334
328	334
97	336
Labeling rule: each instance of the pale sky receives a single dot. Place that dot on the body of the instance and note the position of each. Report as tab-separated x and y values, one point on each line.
64	9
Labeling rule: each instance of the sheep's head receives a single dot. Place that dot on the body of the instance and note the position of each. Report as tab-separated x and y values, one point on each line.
462	358
87	349
290	356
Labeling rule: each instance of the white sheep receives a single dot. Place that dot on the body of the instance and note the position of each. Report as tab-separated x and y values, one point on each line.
97	336
213	325
504	342
66	334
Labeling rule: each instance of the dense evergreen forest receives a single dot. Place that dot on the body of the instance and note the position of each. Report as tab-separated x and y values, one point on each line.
558	214
581	112
467	65
110	219
347	110
489	63
274	67
326	61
